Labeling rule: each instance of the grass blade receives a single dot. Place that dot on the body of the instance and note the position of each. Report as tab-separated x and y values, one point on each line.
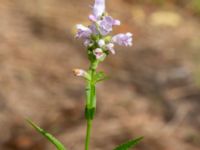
51	138
129	144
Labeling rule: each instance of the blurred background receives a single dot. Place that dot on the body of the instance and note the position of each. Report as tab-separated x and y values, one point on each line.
153	90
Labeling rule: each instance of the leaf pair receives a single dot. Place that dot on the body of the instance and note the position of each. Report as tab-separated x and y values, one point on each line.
100	76
60	146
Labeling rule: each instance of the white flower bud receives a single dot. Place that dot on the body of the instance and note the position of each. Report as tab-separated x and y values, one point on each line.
101	43
98	52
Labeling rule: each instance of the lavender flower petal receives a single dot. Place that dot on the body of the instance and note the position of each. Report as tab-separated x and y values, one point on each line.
99	8
110	47
87	43
106	25
83	31
92	18
123	39
93	28
116	22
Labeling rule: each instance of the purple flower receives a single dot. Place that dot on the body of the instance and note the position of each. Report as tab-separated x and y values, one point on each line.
83	31
99	8
123	39
106	24
93	18
87	43
93	28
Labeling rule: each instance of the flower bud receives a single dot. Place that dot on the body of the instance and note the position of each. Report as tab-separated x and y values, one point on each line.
98	52
101	43
81	73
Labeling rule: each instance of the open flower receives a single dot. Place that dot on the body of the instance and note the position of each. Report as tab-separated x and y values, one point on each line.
106	24
99	8
123	39
83	31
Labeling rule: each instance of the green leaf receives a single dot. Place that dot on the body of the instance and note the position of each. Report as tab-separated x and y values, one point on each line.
129	144
100	76
52	139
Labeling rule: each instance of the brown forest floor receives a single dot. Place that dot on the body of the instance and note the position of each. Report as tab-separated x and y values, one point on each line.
154	89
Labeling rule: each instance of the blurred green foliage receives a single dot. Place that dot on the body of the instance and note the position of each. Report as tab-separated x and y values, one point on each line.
196	6
193	5
159	2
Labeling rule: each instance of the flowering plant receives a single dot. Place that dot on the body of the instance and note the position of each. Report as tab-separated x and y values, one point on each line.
99	45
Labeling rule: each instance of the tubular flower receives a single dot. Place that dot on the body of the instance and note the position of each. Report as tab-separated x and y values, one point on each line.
123	39
99	8
81	73
83	31
96	35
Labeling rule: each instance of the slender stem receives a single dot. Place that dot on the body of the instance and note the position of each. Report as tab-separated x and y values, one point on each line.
91	103
88	132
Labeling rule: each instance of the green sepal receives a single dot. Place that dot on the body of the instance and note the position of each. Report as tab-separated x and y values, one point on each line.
129	144
89	113
48	136
107	39
100	76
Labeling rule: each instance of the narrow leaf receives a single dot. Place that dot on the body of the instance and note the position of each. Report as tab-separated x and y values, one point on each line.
52	139
129	144
100	76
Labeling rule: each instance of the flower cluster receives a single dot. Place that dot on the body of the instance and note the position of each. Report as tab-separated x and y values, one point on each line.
96	36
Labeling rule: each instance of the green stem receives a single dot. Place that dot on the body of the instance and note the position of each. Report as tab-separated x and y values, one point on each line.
88	132
91	103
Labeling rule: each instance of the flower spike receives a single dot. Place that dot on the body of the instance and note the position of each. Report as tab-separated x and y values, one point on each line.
96	35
